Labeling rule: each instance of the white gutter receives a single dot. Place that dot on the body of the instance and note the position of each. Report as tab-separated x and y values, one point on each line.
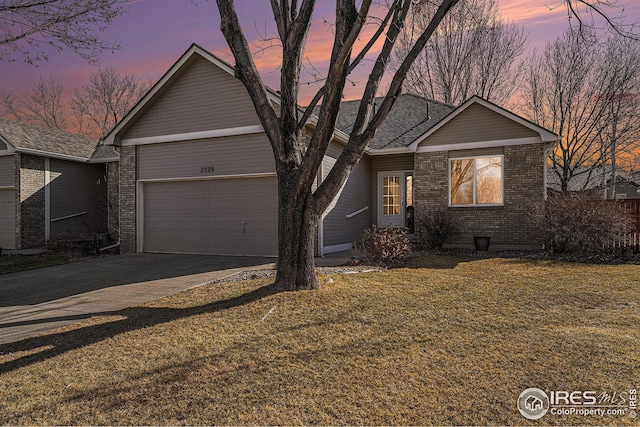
385	151
51	155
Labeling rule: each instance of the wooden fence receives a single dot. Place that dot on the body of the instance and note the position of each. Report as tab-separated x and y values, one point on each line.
631	239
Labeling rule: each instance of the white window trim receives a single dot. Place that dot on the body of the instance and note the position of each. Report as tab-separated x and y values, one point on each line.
475	204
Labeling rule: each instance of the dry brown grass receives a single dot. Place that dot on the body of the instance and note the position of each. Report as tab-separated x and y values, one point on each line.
449	341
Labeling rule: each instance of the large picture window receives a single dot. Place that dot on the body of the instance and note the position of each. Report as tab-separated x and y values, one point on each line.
476	181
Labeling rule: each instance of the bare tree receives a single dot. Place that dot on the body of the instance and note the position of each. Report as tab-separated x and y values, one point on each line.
593	19
298	158
473	52
96	106
621	122
27	25
43	105
99	105
575	94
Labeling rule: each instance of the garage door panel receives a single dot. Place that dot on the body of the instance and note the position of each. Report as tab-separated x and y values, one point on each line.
167	207
7	219
226	216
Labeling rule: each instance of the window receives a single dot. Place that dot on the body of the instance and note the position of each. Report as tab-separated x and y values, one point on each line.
391	195
476	181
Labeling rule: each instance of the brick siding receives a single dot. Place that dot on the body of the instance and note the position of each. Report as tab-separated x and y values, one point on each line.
113	200
508	225
127	205
32	202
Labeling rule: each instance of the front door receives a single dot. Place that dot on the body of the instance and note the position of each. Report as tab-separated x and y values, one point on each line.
395	193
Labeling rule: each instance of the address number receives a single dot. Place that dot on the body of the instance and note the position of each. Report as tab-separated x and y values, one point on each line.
206	169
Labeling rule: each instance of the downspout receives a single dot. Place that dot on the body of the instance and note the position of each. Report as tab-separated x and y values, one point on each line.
547	153
47	199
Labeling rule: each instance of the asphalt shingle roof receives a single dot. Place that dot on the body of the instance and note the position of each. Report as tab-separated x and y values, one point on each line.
410	117
33	137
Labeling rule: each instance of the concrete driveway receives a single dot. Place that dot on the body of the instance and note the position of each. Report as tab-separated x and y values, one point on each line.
39	300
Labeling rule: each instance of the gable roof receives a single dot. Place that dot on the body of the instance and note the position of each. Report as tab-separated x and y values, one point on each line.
174	72
42	141
545	134
410	117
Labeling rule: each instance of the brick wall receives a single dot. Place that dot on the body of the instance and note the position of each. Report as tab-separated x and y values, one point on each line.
113	199
127	206
508	225
32	202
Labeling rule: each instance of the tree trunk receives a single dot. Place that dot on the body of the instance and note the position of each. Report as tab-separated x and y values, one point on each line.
297	222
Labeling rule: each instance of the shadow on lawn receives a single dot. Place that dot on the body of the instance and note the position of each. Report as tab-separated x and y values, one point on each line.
135	318
437	262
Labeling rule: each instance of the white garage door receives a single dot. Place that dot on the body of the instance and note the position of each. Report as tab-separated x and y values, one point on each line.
7	219
221	216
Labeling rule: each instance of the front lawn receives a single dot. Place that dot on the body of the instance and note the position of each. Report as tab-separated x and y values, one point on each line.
446	341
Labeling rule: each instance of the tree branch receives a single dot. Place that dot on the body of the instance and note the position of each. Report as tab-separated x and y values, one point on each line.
247	72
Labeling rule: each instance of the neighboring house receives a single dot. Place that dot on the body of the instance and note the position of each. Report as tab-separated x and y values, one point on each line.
597	181
50	184
197	173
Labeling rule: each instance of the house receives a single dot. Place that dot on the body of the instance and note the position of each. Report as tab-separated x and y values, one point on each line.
51	183
197	175
597	181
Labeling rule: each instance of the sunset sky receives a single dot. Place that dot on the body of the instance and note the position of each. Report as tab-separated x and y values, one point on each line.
153	34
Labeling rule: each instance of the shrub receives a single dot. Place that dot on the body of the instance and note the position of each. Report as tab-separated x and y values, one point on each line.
66	244
577	224
435	228
384	245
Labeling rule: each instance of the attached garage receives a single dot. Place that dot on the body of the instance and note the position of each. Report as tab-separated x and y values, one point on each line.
7	218
215	196
225	216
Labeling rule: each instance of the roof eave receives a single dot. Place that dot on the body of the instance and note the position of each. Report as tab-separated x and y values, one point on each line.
545	134
11	149
104	160
386	151
51	155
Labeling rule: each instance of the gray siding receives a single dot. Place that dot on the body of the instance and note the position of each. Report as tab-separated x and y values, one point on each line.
227	156
394	162
202	97
354	196
77	188
475	124
3	146
7	219
7	171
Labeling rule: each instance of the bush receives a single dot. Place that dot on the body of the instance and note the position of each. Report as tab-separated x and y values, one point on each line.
576	224
384	245
435	228
66	244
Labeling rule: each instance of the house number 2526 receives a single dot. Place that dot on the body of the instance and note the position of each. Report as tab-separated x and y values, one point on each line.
206	169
